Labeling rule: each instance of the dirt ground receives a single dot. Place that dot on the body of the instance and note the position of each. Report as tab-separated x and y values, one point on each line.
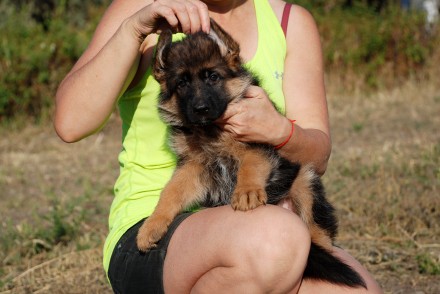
383	177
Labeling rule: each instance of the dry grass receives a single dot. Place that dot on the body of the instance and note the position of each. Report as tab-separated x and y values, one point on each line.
54	202
73	272
384	178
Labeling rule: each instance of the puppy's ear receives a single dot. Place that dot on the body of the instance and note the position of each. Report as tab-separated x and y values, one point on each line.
228	47
162	48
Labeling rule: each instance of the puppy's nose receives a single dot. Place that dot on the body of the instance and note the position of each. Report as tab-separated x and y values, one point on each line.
201	108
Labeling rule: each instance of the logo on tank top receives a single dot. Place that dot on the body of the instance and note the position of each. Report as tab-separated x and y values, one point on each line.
278	75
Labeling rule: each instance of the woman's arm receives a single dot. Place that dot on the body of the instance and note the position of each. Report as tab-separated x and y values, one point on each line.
256	120
304	90
88	94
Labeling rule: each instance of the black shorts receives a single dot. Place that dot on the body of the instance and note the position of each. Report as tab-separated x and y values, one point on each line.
131	271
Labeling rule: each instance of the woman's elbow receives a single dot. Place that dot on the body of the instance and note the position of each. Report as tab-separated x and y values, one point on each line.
66	125
64	130
321	162
61	123
321	167
73	124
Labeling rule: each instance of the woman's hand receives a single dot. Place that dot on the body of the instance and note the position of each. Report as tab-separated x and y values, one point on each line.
187	16
88	94
255	119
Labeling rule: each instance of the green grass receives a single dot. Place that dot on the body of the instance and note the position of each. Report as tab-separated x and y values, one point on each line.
427	264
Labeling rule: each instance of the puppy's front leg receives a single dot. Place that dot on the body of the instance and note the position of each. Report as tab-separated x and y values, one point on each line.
252	175
184	188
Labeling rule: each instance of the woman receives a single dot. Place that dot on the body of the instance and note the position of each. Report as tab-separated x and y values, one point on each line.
216	250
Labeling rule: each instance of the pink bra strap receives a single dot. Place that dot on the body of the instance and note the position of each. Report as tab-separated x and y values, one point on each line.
285	18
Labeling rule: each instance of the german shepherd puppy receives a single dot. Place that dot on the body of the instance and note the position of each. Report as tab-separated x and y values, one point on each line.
199	76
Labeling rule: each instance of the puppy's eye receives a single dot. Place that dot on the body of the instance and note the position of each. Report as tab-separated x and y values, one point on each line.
181	83
214	77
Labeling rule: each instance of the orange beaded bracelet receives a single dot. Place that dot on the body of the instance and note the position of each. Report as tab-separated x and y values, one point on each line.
288	138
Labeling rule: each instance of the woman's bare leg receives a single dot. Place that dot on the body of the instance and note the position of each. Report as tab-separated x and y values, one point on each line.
219	250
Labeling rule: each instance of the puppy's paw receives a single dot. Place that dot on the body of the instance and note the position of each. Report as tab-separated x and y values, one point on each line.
248	197
151	231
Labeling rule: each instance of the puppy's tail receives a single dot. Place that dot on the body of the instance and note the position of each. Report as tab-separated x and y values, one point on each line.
322	265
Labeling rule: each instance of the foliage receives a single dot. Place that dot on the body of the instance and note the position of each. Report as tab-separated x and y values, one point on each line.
427	265
36	52
364	47
379	48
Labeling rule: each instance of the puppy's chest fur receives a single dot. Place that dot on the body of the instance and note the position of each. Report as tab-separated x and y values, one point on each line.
218	152
220	155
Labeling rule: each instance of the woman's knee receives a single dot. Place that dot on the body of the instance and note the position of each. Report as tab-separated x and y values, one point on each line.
277	245
262	245
278	231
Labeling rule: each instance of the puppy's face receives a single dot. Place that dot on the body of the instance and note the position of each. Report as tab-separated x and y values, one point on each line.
198	76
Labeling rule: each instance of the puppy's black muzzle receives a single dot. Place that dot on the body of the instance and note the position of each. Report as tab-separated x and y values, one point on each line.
201	108
204	111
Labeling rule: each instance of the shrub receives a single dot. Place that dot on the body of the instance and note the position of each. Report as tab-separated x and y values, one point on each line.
35	54
363	47
380	48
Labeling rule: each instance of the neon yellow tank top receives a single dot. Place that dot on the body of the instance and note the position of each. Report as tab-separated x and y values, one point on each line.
146	162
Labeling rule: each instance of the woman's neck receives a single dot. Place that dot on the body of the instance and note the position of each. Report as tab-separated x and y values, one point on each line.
224	8
238	18
229	14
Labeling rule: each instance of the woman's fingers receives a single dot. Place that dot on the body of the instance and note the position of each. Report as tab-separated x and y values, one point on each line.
201	14
193	15
254	92
187	16
253	119
159	14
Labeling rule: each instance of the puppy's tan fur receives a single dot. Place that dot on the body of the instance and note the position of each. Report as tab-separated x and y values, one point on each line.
199	77
189	183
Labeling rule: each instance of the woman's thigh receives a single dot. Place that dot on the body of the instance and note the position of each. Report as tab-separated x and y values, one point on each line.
221	238
218	238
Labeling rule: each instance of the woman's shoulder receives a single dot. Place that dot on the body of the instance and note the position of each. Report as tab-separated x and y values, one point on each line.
301	25
114	16
116	13
298	15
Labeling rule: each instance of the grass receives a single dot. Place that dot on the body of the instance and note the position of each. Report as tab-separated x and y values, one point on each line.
365	49
54	203
383	177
